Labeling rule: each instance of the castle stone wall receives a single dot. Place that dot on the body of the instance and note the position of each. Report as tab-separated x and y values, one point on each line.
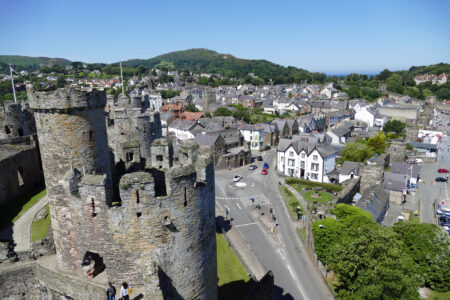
72	134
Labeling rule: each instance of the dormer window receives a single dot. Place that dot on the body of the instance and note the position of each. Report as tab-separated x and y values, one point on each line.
315	157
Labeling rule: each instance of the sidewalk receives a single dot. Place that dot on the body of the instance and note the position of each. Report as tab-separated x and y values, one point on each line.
22	226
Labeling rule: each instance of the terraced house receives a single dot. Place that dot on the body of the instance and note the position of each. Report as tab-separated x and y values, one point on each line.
310	161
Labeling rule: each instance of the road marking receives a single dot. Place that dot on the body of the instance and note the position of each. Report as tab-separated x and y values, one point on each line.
242	225
281	252
238	206
226	206
290	271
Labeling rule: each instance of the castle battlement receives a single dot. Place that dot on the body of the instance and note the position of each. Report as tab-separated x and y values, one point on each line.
71	97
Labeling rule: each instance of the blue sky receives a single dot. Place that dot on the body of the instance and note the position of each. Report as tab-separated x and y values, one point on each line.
327	36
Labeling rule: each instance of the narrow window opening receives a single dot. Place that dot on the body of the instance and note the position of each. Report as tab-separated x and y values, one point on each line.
7	130
137	197
159	157
130	156
139	214
92	207
185	198
186	155
20	176
91	136
20	132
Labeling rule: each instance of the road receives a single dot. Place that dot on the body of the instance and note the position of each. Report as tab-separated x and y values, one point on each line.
429	193
281	252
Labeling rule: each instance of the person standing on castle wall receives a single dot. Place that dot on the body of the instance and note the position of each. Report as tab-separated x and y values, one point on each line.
111	292
124	291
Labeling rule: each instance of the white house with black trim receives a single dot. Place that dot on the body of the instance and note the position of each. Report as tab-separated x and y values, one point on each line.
305	160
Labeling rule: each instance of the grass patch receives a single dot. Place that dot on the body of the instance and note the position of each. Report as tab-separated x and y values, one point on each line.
301	183
229	267
292	201
13	210
324	196
439	296
39	228
233	281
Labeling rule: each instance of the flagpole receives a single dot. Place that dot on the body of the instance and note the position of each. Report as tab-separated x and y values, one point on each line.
121	77
12	83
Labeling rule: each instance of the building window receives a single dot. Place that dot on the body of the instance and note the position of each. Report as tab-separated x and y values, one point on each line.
315	157
159	157
291	154
91	136
314	167
303	155
291	162
314	176
302	164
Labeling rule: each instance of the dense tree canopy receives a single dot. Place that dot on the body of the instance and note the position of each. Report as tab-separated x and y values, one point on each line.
376	262
394	126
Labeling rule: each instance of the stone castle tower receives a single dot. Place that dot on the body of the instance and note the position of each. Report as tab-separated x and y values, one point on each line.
160	236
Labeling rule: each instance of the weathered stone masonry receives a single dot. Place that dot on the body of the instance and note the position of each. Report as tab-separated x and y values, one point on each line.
161	237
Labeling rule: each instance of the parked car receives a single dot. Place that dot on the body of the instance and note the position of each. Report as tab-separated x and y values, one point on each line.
260	158
252	167
264	172
442	171
266	165
237	178
400	219
441	179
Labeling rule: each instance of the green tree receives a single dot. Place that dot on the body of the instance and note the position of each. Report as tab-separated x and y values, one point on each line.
356	152
343	211
394	126
191	107
60	82
223	112
395	83
377	143
371	264
443	94
429	247
384	74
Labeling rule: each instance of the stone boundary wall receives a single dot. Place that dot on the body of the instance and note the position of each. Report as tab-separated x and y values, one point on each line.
346	195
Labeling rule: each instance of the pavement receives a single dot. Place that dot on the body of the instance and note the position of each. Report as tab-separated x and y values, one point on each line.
280	251
429	193
21	229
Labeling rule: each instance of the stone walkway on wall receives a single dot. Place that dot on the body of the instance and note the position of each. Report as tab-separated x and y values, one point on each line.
22	226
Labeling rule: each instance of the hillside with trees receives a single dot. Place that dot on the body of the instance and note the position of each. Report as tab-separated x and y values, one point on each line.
29	63
208	61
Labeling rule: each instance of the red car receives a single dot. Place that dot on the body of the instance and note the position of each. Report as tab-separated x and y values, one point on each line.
442	171
264	172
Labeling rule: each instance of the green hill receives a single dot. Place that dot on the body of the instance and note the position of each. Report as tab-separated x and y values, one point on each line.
208	61
29	63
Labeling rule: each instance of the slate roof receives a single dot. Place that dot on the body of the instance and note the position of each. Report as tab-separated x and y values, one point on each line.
394	182
341	131
207	140
403	168
374	201
324	150
350	166
423	145
183	125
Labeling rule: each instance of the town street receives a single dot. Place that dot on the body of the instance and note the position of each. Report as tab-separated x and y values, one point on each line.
281	251
429	193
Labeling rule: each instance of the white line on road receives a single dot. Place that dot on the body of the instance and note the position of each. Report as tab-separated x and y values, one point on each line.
226	206
242	225
290	271
238	206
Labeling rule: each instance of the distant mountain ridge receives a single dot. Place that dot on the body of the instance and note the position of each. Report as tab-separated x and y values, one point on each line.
29	62
201	60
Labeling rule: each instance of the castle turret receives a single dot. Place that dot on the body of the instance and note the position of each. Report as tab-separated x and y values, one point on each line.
72	134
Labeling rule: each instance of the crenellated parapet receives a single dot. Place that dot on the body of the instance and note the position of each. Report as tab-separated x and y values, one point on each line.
71	97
